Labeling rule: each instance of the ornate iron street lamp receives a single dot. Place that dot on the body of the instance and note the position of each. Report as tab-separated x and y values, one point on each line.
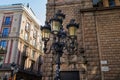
62	40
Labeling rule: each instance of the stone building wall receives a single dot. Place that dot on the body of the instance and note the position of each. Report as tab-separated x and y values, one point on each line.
108	28
90	42
98	34
105	25
72	11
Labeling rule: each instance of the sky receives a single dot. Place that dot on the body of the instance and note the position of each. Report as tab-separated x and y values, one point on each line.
38	6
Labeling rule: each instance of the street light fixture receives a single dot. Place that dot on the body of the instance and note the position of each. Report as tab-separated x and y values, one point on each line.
56	22
61	39
46	32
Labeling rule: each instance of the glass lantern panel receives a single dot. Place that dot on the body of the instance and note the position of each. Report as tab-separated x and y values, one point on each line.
42	33
55	26
45	33
72	31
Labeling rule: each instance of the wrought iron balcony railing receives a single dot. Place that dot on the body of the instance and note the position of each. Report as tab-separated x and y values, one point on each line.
5	66
4	24
29	71
4	35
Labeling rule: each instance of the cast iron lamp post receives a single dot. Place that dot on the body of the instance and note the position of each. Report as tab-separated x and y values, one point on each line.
62	40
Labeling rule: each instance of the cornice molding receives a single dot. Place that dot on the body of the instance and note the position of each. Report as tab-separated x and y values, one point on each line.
99	9
63	3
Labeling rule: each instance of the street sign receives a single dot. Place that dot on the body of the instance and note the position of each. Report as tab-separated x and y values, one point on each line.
104	68
103	62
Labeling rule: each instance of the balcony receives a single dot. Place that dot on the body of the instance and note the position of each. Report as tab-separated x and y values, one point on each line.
4	35
5	67
8	24
29	71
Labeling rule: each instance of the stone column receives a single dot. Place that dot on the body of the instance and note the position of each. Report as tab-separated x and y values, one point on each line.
105	3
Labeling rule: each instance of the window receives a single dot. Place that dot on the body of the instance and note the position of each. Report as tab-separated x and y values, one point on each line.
3	43
26	36
7	20
40	59
97	3
25	48
35	34
40	63
5	32
33	54
1	61
32	65
23	59
111	3
34	42
41	46
27	27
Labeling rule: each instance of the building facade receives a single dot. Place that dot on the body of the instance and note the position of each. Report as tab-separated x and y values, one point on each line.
99	35
20	42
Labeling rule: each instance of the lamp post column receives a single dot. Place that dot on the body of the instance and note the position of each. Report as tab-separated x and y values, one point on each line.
12	74
59	50
57	76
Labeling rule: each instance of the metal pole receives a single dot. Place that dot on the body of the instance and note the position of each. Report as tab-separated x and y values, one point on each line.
57	76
